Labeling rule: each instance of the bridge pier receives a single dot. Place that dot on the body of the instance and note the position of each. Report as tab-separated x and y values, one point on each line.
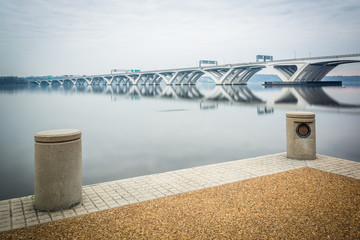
306	72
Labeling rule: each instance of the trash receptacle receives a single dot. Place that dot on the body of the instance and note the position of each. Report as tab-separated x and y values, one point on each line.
57	169
300	135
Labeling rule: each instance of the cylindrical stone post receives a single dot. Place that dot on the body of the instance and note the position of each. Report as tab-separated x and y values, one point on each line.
57	169
300	135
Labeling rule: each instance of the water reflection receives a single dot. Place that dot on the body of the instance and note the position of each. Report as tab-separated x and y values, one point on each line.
208	105
167	127
265	110
308	96
184	92
290	97
237	93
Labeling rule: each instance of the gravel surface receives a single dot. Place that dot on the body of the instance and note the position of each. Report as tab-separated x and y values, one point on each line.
298	204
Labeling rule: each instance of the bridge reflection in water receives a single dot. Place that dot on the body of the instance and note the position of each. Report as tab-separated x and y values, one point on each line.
298	98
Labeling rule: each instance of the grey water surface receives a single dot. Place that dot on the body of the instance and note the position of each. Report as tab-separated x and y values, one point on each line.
130	131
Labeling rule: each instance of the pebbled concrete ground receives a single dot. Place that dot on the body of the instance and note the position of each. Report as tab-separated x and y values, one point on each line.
304	203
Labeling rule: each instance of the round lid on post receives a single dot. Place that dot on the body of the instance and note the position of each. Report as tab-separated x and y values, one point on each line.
300	115
57	136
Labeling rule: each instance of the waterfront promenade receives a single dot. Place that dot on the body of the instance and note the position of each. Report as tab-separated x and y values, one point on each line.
19	212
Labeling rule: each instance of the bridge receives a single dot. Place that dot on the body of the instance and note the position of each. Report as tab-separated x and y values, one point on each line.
312	69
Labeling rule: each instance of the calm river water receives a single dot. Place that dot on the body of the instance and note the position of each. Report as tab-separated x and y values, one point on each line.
135	130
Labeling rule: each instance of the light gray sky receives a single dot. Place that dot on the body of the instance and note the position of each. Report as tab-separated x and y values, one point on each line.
41	37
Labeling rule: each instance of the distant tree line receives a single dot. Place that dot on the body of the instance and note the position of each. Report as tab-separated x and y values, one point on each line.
10	80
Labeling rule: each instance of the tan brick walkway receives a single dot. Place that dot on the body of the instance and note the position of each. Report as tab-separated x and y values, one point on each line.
19	212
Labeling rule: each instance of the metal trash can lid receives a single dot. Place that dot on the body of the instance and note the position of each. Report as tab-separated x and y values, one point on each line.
300	115
57	136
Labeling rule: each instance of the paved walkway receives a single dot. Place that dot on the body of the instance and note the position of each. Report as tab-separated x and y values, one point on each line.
19	212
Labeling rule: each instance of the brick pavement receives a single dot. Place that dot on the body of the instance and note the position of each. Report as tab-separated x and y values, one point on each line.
19	212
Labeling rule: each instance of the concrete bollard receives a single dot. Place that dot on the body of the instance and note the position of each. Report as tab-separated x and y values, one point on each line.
57	169
300	135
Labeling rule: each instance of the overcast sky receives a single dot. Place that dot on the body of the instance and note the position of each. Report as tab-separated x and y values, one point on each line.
39	37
